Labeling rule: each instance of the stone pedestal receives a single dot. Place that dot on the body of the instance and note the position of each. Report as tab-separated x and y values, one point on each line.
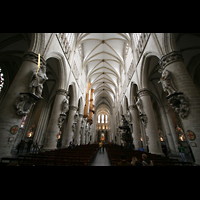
151	128
53	128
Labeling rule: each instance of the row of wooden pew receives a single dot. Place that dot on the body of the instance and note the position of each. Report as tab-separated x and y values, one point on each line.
114	153
77	156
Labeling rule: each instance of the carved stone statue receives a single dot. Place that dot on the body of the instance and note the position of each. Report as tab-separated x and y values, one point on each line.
65	105
76	116
37	81
61	119
139	106
166	82
126	135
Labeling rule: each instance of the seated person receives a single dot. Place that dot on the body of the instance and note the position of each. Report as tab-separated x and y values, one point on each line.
146	161
135	162
123	161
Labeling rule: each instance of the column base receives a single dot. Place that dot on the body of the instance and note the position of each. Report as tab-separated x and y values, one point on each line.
162	154
47	149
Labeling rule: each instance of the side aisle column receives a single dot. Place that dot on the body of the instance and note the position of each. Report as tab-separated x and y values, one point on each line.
53	128
136	129
151	129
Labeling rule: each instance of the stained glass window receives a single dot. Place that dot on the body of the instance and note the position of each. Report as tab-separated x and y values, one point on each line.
1	79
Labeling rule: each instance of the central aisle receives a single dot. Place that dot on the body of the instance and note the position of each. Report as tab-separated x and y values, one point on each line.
101	159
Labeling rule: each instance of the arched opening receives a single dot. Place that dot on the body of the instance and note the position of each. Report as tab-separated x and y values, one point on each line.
12	48
38	119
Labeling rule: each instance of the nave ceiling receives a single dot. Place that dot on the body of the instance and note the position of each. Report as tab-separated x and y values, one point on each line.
103	60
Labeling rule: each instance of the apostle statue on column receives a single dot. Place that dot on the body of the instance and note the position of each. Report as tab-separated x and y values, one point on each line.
37	80
65	105
166	82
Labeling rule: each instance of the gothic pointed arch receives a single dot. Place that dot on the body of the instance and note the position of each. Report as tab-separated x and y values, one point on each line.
37	43
62	68
73	100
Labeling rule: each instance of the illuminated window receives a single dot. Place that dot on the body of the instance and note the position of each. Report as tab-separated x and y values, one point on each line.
99	119
1	79
102	119
106	118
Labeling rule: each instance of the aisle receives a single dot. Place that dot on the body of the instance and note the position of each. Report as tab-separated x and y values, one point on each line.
101	159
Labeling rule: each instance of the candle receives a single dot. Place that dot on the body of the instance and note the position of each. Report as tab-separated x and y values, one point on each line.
134	99
38	63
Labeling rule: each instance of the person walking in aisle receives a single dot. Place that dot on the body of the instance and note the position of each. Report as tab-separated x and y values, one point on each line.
19	146
35	146
30	142
100	145
182	152
103	147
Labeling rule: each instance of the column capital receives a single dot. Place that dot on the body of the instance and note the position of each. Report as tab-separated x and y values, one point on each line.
80	115
73	108
61	92
33	57
144	92
133	106
169	58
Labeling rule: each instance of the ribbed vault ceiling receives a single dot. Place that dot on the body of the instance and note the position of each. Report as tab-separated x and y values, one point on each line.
103	58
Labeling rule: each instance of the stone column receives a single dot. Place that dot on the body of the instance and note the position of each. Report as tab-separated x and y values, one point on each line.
173	62
77	135
172	129
53	128
83	132
8	116
68	135
151	128
86	132
136	129
167	131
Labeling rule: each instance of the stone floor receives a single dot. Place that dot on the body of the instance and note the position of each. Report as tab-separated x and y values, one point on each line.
101	159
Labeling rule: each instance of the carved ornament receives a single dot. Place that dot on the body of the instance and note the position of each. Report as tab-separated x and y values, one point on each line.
24	103
62	92
179	103
33	57
169	58
143	92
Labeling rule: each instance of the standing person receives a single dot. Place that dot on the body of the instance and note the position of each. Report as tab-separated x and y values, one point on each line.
182	152
23	145
100	145
35	146
30	142
19	146
146	161
103	147
164	149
